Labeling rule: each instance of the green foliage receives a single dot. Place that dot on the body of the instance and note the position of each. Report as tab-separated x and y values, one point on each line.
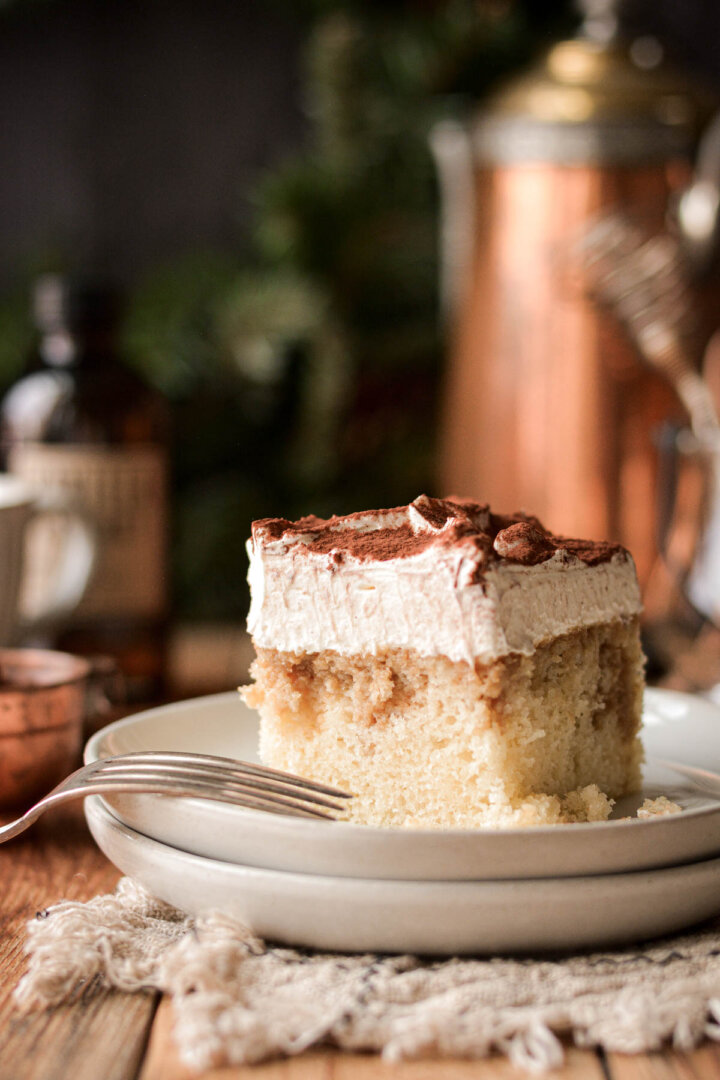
16	335
169	331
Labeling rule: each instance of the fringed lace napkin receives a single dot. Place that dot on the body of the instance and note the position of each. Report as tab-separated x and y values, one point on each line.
239	1001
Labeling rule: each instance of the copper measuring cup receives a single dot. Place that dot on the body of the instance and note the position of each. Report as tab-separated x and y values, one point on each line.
42	708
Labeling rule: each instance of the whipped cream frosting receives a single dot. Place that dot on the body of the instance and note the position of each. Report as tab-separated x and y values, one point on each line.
444	577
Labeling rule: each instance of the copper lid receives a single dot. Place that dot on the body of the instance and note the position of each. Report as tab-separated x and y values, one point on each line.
591	100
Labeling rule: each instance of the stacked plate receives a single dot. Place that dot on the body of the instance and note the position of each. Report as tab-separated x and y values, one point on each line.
338	886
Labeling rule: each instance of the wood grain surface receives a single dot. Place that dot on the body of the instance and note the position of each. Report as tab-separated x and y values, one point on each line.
106	1035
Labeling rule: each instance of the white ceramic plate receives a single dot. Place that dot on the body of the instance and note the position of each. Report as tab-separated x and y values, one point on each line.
677	726
427	917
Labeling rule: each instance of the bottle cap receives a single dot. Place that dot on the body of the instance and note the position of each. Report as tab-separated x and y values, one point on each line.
61	303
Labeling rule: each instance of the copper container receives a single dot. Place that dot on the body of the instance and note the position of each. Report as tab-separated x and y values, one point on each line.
547	408
42	707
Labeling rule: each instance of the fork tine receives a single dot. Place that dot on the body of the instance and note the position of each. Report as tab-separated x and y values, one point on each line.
235	779
165	785
233	765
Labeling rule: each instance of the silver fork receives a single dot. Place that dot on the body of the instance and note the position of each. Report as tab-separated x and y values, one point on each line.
702	779
200	776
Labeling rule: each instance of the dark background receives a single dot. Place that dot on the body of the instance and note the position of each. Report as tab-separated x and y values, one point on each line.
134	130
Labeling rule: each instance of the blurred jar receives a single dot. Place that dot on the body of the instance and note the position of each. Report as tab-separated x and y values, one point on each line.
83	423
548	408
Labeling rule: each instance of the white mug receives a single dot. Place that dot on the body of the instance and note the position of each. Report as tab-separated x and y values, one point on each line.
26	609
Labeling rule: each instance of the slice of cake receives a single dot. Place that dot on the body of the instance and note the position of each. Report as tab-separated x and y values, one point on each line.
447	665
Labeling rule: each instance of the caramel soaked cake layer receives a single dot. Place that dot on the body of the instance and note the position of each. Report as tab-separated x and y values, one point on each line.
430	742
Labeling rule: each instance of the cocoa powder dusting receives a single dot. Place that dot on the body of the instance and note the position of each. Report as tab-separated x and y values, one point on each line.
515	538
524	542
378	545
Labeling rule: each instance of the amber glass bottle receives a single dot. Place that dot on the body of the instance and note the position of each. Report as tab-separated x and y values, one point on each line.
81	422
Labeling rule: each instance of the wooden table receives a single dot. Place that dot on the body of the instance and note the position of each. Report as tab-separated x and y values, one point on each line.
113	1036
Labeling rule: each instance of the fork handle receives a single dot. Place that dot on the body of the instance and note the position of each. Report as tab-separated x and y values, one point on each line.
61	794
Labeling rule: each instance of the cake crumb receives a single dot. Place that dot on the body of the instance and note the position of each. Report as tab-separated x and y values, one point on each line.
580	806
587	804
660	807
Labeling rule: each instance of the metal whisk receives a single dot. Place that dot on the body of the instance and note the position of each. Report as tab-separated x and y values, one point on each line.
644	279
